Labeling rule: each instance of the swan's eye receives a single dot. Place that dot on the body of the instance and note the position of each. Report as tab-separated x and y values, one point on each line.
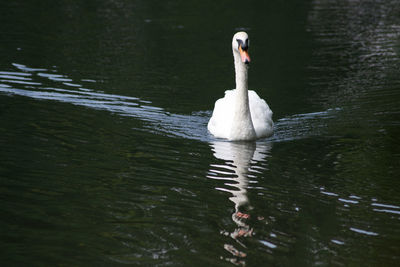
244	45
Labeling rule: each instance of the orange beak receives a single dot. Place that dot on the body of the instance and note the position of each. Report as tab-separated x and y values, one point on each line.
244	55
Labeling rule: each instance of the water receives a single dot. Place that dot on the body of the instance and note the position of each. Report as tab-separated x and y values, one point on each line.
106	159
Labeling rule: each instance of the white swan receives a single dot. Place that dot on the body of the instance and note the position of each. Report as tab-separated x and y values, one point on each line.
241	114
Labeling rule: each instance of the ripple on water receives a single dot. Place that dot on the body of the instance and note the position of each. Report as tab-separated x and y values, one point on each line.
35	84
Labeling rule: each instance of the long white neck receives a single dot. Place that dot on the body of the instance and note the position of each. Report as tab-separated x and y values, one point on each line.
242	126
240	74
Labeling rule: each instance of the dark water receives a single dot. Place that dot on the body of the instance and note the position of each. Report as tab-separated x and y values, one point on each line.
106	160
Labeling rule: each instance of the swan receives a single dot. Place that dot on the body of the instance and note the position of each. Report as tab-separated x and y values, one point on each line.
241	114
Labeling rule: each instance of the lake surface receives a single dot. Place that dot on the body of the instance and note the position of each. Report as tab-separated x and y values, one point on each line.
106	160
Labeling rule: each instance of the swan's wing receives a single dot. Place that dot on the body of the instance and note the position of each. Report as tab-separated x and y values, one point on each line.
261	115
221	119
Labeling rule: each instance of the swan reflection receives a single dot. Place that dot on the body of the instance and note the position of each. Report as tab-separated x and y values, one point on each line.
241	161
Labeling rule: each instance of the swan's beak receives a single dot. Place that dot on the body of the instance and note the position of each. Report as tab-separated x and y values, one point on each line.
244	55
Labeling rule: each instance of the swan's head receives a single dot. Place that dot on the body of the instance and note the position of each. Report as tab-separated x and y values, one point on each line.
240	45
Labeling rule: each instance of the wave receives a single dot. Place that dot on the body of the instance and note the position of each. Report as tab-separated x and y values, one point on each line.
33	83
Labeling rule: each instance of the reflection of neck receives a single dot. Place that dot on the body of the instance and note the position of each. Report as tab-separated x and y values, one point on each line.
240	196
242	155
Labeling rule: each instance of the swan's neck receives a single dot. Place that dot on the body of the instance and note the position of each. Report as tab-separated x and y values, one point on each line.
240	74
242	126
241	81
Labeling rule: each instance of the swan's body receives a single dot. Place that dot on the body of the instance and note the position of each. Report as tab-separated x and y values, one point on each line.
241	114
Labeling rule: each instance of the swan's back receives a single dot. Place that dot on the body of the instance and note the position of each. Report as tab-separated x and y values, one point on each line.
222	117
